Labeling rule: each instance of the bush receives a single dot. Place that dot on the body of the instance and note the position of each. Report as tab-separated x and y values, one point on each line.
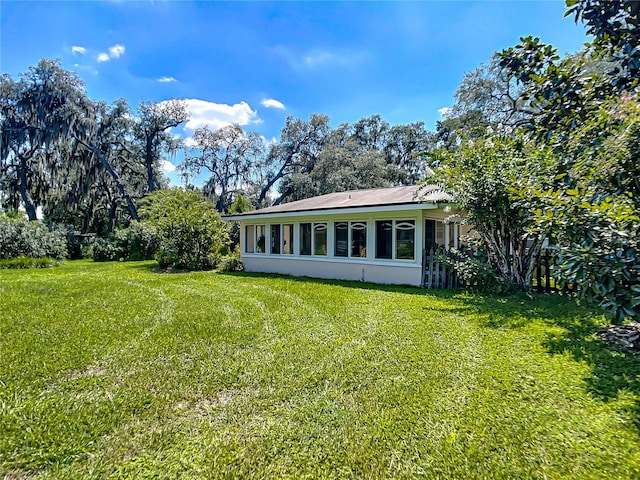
138	242
28	262
192	234
106	250
475	271
232	262
22	238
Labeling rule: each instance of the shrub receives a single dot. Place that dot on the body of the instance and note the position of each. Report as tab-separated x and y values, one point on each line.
192	234
138	242
22	238
106	250
28	262
232	262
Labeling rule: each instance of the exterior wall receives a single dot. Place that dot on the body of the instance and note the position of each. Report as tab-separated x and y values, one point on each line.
361	268
363	271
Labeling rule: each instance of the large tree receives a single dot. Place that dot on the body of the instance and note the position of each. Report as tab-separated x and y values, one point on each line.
152	130
230	156
589	117
295	152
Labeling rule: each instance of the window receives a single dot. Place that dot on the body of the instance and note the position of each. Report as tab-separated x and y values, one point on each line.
405	235
275	239
319	238
358	239
384	238
342	239
287	239
305	239
261	231
249	238
399	245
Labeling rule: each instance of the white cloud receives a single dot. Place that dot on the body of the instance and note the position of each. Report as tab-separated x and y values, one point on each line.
271	103
218	115
167	80
116	51
77	49
167	166
445	111
319	58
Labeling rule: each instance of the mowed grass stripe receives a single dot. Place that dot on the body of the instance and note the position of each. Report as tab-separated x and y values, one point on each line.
112	370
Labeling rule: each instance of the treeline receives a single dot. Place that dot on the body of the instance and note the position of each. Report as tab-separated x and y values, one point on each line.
87	163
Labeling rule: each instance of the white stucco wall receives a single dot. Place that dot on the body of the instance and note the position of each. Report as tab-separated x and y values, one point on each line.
379	272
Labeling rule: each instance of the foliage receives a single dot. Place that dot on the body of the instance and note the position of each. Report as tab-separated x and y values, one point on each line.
473	268
230	155
28	262
594	210
490	179
192	234
231	262
137	242
106	250
115	371
587	111
22	238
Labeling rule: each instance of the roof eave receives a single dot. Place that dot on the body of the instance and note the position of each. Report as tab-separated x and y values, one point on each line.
339	210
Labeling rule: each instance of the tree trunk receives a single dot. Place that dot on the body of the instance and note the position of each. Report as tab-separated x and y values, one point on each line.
149	163
112	216
29	206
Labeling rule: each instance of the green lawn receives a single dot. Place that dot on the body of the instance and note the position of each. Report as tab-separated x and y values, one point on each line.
112	370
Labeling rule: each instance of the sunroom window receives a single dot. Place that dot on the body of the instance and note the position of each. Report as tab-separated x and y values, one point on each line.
405	239
384	238
358	239
275	239
261	231
249	238
319	238
342	239
287	239
305	239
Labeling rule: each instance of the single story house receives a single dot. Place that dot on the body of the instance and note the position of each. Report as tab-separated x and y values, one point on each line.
376	235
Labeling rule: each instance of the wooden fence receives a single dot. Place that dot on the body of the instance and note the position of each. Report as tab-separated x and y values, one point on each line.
543	281
437	274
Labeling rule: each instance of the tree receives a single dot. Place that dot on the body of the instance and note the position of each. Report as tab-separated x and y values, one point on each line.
296	152
35	113
154	121
588	116
490	179
338	169
229	155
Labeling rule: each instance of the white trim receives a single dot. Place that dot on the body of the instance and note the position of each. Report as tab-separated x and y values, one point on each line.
337	211
347	260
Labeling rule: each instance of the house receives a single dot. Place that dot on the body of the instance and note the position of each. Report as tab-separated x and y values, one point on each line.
377	235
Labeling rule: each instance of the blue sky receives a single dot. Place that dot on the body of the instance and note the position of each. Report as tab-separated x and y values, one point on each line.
256	63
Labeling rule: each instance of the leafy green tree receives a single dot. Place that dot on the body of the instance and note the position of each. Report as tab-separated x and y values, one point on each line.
192	234
295	152
587	112
490	179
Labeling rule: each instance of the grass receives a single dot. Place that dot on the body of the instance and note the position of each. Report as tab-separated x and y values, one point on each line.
112	370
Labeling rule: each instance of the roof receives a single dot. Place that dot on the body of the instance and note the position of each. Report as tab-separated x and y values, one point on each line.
375	197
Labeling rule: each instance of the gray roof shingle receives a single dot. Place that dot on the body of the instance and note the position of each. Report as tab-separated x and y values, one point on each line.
405	195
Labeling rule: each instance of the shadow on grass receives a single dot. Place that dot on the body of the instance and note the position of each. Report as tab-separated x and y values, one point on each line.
614	370
406	289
